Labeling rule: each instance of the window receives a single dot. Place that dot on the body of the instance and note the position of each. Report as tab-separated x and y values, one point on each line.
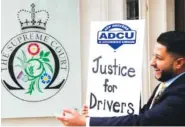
132	9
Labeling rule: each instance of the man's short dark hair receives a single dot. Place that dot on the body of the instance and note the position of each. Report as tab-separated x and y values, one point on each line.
174	41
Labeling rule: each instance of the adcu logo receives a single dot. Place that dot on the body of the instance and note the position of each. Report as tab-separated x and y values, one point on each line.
116	35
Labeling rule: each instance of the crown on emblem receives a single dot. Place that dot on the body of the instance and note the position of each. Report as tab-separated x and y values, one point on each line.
33	19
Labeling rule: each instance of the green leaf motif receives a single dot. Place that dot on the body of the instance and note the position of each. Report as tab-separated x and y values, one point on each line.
45	59
31	88
46	54
49	66
19	66
39	67
31	69
37	86
41	54
24	56
22	62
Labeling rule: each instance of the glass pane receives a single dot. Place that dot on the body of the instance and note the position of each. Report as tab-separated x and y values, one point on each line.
132	9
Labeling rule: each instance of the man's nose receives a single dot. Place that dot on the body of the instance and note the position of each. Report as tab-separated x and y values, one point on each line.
153	62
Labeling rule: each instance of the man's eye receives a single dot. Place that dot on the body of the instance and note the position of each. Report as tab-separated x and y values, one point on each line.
159	58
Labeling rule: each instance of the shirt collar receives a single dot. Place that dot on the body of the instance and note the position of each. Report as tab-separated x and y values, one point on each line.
169	82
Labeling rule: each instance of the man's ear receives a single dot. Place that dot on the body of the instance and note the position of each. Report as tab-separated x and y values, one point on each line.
180	62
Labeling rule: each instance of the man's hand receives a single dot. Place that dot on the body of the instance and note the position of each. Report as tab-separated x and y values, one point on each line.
71	117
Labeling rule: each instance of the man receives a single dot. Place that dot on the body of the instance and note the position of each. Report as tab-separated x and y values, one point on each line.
166	106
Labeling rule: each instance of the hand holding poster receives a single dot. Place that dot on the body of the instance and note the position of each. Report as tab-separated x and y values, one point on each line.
115	68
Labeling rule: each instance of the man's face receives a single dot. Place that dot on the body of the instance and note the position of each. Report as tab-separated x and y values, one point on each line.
162	62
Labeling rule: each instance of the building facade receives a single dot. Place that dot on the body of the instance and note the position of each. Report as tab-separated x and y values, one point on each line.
159	15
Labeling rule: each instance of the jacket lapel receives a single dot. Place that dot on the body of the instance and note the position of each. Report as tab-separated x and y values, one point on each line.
174	85
152	96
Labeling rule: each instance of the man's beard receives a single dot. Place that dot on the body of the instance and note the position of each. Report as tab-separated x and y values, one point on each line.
167	75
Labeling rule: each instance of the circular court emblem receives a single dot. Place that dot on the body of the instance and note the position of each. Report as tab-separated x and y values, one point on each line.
34	66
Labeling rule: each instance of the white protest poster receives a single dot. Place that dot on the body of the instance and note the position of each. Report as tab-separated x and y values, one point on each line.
115	68
40	57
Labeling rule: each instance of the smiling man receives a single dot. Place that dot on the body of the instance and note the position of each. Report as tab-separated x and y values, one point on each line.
166	106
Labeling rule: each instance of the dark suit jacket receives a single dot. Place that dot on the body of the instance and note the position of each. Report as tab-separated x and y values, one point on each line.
168	110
